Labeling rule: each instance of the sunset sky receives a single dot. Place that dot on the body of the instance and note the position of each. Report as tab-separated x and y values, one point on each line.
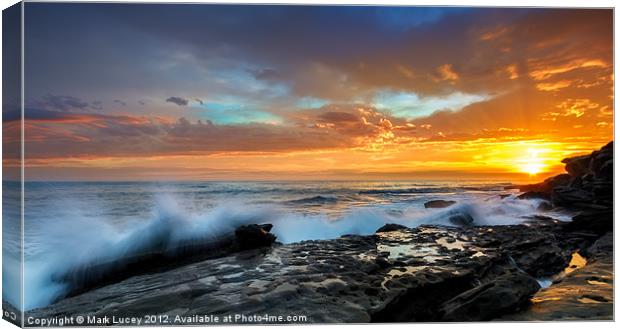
159	92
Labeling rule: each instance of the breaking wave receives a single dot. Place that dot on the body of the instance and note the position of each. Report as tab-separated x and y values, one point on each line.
75	251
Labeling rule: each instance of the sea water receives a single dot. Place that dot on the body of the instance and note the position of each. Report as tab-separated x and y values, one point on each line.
67	224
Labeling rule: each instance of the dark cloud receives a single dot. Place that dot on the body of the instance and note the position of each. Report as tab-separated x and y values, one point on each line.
64	103
53	134
177	100
322	51
56	134
97	105
120	102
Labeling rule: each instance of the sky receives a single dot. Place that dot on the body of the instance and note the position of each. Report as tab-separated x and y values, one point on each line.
187	92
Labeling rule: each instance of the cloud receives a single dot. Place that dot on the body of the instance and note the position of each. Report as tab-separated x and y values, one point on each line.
323	53
446	73
545	72
320	80
65	103
177	100
553	86
338	117
411	105
265	74
120	102
97	105
57	134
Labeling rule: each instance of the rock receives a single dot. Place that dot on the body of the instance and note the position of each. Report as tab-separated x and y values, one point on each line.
545	187
163	256
534	195
588	183
538	252
403	275
559	180
577	166
594	221
544	206
570	197
254	236
438	204
606	170
601	248
541	220
583	294
391	227
461	219
600	160
504	294
603	191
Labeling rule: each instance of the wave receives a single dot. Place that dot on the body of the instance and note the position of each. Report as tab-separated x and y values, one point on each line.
431	189
319	199
79	251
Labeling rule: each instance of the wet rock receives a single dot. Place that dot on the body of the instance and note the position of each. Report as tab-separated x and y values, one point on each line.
162	257
583	294
254	236
391	227
402	275
408	274
438	204
504	294
538	252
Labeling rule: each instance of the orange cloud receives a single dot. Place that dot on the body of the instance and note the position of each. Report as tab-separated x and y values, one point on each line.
494	34
548	72
446	73
553	86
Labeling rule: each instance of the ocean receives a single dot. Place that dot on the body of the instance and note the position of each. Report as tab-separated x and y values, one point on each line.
69	224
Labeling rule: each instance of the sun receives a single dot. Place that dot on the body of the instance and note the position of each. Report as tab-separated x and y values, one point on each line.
532	168
532	164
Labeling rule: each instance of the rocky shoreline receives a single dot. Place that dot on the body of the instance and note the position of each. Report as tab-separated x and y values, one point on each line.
428	273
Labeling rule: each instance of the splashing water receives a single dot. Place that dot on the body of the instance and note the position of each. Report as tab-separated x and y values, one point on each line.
71	226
